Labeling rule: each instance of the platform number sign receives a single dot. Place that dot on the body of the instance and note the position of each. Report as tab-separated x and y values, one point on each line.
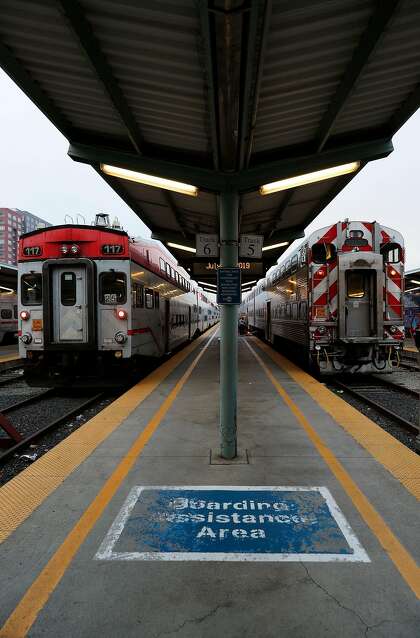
112	249
32	251
250	246
207	245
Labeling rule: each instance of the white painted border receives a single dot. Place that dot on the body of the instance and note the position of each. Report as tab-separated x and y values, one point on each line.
105	551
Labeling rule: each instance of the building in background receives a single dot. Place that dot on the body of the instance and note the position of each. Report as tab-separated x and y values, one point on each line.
13	223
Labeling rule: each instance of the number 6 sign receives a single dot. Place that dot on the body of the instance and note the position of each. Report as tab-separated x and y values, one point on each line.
207	245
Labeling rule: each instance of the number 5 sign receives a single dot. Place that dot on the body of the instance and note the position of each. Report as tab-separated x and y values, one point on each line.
251	246
207	245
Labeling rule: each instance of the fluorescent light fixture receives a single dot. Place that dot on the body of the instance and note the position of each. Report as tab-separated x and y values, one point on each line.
309	178
282	243
248	283
414	281
204	283
150	180
412	289
187	249
9	290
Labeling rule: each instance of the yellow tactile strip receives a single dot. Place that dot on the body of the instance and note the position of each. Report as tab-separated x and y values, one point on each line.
401	462
24	493
6	358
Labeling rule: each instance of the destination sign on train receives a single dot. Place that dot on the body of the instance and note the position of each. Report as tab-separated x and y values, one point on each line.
211	267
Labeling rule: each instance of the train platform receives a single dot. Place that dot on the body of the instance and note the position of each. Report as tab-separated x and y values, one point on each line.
134	526
9	353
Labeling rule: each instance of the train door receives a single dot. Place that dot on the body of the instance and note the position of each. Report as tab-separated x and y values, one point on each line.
268	321
359	302
69	304
189	322
166	325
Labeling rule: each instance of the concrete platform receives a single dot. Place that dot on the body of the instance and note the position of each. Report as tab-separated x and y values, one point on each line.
9	353
80	559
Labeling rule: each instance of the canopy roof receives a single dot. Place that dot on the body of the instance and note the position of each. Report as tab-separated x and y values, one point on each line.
220	94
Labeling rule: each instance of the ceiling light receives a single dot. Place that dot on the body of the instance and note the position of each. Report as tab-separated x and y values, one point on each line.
282	243
188	249
203	283
8	290
248	283
414	281
309	178
150	180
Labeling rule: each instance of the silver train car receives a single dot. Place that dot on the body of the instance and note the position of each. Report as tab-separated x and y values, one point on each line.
95	304
8	317
337	300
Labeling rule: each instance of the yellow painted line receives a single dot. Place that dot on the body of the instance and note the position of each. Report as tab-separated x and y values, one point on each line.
402	463
5	358
26	612
24	493
402	560
410	349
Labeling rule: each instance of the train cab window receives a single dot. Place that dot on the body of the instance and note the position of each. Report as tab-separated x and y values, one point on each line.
156	299
323	253
68	289
162	265
31	289
391	253
356	284
148	298
112	288
6	313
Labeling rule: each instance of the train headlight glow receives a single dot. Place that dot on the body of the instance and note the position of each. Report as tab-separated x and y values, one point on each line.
75	249
25	315
120	337
26	338
122	314
64	250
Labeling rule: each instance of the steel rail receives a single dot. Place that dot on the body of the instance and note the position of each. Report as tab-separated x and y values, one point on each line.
407	425
50	426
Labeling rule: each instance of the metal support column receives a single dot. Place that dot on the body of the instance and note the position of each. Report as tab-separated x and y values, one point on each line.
229	213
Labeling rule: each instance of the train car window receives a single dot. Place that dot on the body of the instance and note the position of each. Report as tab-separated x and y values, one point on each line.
288	311
355	284
323	253
148	298
172	273
162	264
294	311
392	253
303	308
156	299
138	295
68	289
31	289
294	264
168	269
15	312
6	313
112	288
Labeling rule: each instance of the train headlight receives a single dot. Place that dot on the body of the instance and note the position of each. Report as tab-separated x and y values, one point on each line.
120	337
122	314
26	338
75	249
25	314
322	330
64	250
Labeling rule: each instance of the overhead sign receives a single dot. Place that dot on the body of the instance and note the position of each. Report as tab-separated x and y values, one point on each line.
229	286
207	245
231	523
200	268
250	246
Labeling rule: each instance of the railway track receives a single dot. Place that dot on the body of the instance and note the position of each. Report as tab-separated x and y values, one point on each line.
397	403
40	400
409	360
11	374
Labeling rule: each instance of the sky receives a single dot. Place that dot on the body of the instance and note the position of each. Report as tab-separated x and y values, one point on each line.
37	175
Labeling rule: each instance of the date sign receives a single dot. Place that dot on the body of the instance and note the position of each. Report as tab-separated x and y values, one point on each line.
32	251
112	249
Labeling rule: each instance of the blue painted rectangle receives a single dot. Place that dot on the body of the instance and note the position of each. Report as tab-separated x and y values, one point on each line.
176	522
229	286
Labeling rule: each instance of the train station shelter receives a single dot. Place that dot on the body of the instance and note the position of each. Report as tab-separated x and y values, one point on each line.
412	280
257	112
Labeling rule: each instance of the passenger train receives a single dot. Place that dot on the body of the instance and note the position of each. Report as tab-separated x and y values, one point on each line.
94	303
337	299
8	317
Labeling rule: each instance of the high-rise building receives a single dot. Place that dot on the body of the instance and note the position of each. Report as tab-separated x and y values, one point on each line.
13	223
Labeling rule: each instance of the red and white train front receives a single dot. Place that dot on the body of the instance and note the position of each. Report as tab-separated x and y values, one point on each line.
93	302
